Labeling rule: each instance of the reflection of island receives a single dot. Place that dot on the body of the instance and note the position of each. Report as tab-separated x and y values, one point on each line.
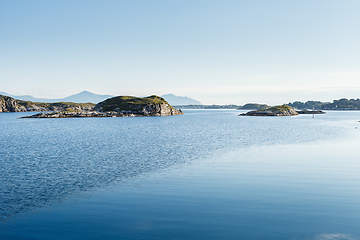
122	106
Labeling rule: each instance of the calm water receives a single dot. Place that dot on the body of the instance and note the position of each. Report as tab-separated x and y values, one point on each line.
208	174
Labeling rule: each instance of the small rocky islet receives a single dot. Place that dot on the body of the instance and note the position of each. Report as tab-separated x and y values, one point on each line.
121	106
281	110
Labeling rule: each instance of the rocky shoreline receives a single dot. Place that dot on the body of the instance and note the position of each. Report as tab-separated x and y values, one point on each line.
305	111
282	110
88	114
121	106
269	113
81	114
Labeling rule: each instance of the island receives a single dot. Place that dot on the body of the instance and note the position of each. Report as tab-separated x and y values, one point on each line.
121	106
281	110
306	111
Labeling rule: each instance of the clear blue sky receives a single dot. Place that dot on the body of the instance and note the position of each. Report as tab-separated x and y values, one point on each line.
218	52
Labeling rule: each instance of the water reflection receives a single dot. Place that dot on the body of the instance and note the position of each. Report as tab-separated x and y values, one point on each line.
335	236
46	160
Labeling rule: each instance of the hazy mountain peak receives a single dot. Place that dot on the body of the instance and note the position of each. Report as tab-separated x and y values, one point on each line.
82	97
5	94
85	92
179	100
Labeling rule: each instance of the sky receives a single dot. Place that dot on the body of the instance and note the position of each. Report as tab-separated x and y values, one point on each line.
217	52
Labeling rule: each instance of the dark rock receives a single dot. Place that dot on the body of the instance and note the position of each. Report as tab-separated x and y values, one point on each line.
8	104
305	111
94	114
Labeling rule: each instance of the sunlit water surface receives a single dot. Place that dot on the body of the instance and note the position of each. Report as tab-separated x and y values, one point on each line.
208	174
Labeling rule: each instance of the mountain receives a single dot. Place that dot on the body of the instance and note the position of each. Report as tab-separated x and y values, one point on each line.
178	100
27	98
82	97
88	97
9	104
5	94
85	97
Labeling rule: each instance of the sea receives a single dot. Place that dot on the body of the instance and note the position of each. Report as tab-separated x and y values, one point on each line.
207	174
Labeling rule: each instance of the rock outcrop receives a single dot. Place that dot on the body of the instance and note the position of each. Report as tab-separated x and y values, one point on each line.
8	104
305	111
71	114
122	106
160	110
147	106
58	106
282	110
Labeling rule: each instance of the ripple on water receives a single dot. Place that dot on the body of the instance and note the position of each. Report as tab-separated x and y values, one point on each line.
46	160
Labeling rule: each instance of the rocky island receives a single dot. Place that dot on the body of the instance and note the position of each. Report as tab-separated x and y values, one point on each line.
121	106
282	110
305	111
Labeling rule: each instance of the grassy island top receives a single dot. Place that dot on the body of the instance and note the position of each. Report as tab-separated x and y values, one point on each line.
254	106
129	103
279	108
29	104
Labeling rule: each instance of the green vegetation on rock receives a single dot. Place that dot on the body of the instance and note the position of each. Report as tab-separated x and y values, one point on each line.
279	108
129	103
29	104
122	106
250	106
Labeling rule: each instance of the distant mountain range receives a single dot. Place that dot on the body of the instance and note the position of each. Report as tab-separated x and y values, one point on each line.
178	100
82	97
189	103
89	97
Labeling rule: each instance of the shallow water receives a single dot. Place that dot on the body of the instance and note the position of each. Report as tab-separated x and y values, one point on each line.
208	174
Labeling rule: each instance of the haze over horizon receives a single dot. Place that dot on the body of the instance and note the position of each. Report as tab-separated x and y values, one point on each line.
217	52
